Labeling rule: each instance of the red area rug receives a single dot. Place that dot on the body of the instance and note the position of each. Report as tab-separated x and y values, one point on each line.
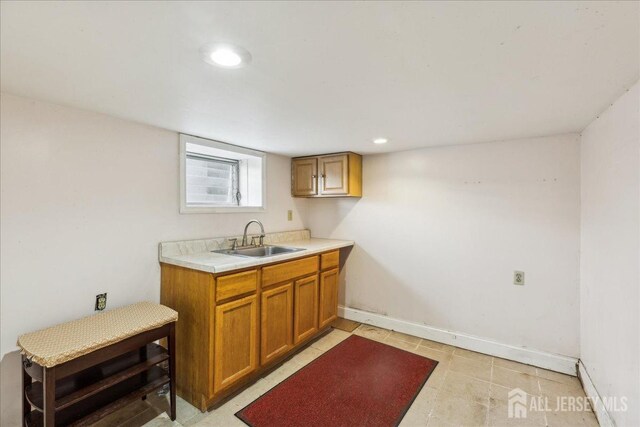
359	382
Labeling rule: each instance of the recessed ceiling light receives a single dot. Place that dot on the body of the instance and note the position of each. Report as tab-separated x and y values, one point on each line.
380	141
225	55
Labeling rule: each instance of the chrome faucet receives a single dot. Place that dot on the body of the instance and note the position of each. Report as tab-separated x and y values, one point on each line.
244	236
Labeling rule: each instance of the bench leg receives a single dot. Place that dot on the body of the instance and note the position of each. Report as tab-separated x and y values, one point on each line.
49	396
172	369
26	382
143	357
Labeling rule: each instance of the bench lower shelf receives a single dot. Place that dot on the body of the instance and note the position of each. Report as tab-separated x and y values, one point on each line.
75	388
93	408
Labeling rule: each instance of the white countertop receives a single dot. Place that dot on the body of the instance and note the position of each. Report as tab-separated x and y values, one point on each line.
217	263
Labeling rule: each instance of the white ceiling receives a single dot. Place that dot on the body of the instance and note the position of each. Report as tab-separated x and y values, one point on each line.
329	76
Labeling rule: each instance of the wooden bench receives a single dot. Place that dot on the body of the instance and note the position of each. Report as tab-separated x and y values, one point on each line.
75	373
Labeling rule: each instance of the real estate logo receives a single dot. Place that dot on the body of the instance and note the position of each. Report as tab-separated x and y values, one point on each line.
520	404
517	403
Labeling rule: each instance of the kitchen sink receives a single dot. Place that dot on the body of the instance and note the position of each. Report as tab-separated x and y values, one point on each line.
258	251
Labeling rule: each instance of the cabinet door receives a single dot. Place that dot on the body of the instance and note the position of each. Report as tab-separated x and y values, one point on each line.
328	297
235	353
277	322
334	174
305	316
304	177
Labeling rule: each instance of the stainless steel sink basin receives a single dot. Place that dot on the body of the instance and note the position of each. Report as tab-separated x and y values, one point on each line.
259	251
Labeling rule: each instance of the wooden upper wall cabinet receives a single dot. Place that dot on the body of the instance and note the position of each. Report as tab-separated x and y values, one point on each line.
332	175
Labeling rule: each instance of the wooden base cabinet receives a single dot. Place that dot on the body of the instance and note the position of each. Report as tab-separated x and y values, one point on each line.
235	326
235	349
277	313
305	320
328	310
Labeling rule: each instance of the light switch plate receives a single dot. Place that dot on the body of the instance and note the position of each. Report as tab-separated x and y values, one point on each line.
289	215
518	278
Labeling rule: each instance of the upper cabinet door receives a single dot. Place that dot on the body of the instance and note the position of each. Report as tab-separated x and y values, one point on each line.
334	174
304	177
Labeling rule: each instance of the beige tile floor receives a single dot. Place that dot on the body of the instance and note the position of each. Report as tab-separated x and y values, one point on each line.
466	389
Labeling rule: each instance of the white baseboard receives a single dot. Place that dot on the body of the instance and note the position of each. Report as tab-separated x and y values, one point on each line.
604	419
541	359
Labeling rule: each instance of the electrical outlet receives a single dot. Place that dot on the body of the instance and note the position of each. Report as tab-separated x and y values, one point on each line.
101	302
518	278
289	215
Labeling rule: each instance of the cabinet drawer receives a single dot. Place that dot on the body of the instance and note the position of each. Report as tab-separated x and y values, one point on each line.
329	260
289	270
236	284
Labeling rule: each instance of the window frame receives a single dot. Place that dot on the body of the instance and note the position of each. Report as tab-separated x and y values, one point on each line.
185	208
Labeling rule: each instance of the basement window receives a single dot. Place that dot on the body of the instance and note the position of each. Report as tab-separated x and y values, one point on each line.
216	177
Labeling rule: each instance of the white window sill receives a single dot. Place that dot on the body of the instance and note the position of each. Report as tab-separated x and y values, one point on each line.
221	209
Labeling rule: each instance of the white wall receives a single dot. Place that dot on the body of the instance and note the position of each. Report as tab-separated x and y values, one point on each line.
440	231
85	199
610	247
